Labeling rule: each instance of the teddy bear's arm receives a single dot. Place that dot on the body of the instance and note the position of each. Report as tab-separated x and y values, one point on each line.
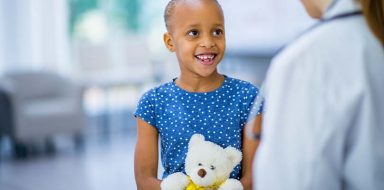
175	181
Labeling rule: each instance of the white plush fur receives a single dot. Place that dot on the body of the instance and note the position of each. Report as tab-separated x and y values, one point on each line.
175	181
216	161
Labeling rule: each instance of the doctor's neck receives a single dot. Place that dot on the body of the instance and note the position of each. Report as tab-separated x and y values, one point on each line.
323	5
316	8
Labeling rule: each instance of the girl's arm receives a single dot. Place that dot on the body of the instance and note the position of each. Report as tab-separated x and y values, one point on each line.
146	157
249	150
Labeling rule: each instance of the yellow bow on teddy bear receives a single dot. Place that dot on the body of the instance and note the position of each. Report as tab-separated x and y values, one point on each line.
193	186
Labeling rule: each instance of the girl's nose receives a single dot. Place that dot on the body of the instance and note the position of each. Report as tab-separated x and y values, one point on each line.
207	42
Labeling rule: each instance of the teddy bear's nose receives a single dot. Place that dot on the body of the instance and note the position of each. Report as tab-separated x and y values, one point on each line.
201	173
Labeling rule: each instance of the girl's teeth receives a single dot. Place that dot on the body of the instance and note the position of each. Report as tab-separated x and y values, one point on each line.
205	57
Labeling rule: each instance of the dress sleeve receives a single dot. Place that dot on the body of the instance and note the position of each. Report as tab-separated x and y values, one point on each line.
253	105
146	108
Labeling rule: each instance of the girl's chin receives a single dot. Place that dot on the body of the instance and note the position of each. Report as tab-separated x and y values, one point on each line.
206	72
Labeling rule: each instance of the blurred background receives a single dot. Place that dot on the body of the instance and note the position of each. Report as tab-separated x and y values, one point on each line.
72	72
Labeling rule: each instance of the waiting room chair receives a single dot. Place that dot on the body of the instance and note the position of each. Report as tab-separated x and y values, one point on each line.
43	106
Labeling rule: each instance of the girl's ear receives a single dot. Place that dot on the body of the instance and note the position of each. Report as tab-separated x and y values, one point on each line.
168	42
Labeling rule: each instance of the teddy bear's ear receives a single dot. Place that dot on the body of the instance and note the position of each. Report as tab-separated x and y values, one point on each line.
234	155
195	139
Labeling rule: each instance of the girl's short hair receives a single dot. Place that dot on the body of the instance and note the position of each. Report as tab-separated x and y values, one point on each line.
170	8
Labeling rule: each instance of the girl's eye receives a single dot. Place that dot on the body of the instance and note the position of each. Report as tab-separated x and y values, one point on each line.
212	167
218	32
193	33
200	164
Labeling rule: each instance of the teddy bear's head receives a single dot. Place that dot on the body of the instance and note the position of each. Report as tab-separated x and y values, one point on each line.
209	164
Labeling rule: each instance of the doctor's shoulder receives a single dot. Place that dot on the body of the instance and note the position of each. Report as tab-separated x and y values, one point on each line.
324	41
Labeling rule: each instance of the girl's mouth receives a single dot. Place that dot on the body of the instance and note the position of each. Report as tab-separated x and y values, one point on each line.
206	58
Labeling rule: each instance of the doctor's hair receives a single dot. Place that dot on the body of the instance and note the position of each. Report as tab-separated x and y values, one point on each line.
373	11
170	9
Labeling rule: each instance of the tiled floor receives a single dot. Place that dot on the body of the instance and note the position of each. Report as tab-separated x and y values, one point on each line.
106	163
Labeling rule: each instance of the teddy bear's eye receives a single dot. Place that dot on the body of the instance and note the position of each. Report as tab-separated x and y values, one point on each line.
200	164
212	167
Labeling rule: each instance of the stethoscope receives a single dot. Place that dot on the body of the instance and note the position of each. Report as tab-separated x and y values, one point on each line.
259	100
322	22
333	18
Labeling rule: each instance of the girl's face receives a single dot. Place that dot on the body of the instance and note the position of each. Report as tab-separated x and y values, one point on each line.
197	37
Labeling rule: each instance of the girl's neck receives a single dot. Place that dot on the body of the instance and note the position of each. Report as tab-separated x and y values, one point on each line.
200	84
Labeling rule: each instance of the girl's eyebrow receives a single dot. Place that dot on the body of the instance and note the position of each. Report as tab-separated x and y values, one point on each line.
219	25
198	25
194	26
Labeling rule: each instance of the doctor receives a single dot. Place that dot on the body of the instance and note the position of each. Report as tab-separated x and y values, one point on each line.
324	103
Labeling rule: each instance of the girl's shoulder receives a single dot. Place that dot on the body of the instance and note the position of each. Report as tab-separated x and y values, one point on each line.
241	85
160	89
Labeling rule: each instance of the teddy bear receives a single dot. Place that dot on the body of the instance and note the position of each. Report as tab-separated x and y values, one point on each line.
207	167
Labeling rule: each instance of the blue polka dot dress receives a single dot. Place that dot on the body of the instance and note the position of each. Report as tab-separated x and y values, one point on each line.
219	115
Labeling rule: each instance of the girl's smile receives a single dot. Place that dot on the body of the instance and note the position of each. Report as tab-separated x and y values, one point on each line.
206	58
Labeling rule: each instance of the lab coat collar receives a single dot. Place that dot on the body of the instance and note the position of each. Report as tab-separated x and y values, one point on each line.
339	7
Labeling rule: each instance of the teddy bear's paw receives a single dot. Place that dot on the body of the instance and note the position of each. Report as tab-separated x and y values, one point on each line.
175	181
231	184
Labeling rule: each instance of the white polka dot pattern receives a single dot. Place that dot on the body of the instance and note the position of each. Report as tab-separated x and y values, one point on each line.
219	115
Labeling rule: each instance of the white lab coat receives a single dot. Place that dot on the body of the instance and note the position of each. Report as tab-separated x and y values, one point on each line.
323	125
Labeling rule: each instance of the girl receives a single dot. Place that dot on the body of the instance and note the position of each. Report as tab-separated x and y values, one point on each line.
324	119
200	100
